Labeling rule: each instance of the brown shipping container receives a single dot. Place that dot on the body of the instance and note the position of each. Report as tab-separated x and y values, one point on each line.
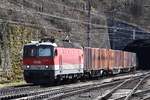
133	60
96	59
111	59
115	59
118	62
93	58
104	59
125	59
121	59
130	60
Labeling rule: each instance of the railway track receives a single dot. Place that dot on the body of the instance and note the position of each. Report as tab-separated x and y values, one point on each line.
14	91
121	91
50	93
125	90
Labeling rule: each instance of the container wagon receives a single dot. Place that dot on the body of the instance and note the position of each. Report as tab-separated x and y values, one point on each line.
99	61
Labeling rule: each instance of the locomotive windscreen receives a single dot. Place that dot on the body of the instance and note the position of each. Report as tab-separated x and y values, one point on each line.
38	51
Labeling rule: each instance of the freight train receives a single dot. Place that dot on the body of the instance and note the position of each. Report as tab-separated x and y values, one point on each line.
47	61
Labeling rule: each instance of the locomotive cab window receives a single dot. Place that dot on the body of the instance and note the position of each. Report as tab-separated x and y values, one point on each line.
29	51
44	51
38	51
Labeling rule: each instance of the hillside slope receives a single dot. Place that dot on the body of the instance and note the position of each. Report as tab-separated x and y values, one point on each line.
26	20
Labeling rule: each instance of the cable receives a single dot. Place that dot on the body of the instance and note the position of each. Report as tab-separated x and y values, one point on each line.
93	12
27	24
66	18
58	4
51	28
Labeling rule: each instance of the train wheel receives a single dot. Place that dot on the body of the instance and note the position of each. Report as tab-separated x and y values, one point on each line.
58	81
104	73
110	73
27	79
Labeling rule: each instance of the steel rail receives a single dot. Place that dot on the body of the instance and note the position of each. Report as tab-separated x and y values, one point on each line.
61	93
11	90
74	91
14	92
135	88
65	90
136	93
109	94
146	98
81	90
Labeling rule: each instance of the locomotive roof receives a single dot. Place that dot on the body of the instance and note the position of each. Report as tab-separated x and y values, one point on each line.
67	44
42	43
64	44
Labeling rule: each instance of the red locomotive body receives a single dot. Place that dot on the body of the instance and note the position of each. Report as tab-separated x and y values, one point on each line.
68	61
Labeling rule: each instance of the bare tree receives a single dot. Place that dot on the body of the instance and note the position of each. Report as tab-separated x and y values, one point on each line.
4	49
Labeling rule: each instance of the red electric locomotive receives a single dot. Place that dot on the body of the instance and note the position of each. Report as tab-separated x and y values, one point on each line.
46	61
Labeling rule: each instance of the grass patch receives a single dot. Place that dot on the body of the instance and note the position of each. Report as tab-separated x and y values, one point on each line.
7	84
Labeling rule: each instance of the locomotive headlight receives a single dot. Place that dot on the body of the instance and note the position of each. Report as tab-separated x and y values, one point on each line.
28	66
46	66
